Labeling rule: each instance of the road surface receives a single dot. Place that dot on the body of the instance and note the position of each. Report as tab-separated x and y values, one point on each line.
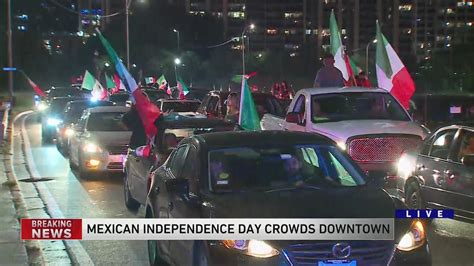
452	242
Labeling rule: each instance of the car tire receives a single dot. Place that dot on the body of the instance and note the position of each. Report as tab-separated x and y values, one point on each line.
153	254
200	257
131	203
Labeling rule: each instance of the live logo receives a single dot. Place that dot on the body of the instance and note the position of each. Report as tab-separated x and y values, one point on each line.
423	213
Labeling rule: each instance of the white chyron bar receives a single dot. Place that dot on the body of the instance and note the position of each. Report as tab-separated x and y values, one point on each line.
236	229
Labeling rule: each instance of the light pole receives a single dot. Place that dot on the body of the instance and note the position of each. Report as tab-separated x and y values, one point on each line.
177	62
251	26
10	49
367	55
127	34
177	32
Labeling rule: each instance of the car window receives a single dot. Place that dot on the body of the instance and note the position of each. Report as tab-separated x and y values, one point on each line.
425	148
177	162
465	147
106	121
300	106
442	144
212	105
190	172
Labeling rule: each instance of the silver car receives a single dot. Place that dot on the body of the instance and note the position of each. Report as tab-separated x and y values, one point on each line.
100	141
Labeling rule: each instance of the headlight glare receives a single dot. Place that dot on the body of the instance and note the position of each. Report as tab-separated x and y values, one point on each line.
53	121
92	148
405	166
69	132
254	248
42	106
414	238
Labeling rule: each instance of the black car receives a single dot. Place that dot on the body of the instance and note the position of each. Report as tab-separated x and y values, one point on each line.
440	174
438	110
52	117
273	174
171	129
120	98
155	94
57	92
72	112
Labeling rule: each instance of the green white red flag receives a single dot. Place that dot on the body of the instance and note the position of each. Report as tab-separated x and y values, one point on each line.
35	87
248	116
182	88
337	50
392	75
92	84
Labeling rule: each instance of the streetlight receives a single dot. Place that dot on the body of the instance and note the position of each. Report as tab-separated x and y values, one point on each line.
367	55
252	27
10	49
177	32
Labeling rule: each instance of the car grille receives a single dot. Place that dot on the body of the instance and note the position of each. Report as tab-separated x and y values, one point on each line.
119	149
364	252
384	148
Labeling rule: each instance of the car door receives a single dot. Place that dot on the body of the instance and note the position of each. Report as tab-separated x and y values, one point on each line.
75	139
300	109
138	167
459	187
431	167
186	207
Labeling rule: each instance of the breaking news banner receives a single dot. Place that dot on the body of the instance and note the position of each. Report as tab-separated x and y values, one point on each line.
208	229
423	213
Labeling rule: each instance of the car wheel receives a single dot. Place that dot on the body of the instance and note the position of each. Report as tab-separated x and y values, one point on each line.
200	256
130	202
83	173
153	254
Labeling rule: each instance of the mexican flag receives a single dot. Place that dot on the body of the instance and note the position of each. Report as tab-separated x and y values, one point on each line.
35	87
337	49
354	66
118	84
147	111
92	84
150	80
109	83
392	75
248	116
182	88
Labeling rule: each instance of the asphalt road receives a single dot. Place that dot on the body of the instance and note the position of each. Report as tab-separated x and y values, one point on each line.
452	242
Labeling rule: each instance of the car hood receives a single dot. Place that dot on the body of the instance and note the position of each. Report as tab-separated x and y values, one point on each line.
361	202
110	137
343	130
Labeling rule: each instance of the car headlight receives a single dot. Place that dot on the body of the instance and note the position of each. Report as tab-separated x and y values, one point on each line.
42	106
254	248
414	238
405	166
91	148
69	132
53	121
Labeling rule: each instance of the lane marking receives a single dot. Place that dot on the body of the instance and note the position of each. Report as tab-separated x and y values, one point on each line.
75	249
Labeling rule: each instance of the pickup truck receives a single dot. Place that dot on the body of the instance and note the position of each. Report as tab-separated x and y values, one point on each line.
369	124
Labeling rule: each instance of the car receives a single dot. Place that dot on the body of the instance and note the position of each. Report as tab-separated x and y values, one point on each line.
439	110
197	94
440	174
171	129
214	104
100	141
273	174
72	112
56	92
120	98
52	116
155	94
369	124
183	107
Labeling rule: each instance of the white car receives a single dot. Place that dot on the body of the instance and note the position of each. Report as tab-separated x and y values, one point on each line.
369	123
100	141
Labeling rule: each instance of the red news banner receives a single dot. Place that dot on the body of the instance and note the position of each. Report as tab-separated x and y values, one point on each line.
51	229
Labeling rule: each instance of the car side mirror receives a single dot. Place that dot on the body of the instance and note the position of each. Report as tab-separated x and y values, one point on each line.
177	186
293	117
468	160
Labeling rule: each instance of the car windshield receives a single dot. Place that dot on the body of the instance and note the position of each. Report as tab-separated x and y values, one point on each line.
106	121
268	168
66	92
180	106
119	97
156	94
356	106
58	105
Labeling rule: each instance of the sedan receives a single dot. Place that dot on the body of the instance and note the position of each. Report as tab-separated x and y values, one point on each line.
273	175
100	141
440	174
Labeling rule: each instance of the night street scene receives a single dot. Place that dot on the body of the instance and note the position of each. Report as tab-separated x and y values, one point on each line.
331	116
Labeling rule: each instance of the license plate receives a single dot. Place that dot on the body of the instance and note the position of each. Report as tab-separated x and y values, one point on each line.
337	263
116	158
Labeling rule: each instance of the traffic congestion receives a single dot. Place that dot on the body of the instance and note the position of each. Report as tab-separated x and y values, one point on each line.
111	141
